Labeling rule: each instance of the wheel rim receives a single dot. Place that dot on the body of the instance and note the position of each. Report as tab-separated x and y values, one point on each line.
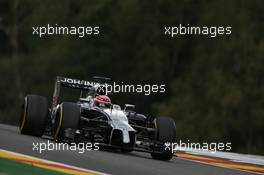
23	114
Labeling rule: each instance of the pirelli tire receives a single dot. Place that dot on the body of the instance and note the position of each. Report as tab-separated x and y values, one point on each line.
67	117
166	132
34	115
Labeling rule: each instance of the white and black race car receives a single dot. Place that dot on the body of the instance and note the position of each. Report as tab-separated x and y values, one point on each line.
94	118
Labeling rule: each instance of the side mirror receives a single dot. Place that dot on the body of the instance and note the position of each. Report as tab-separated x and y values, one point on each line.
117	107
83	100
129	106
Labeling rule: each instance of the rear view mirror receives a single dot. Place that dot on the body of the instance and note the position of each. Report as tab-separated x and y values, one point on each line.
129	107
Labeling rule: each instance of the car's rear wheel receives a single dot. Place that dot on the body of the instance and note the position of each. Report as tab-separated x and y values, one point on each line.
67	117
166	132
34	115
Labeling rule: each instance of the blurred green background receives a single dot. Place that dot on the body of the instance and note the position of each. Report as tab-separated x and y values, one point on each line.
214	86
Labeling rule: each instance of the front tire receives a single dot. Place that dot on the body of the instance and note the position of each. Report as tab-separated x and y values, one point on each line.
34	115
166	132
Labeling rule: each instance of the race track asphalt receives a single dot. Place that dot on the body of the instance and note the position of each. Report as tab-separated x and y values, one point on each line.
112	162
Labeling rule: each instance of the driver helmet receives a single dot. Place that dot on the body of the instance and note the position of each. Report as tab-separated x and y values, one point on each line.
102	101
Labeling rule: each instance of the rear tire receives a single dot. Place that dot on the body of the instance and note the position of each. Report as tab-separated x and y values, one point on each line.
34	115
166	132
68	116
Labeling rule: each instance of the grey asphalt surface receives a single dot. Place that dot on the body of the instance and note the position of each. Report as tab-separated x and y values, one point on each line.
106	161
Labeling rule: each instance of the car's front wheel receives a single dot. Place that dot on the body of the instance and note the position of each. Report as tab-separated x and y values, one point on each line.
166	132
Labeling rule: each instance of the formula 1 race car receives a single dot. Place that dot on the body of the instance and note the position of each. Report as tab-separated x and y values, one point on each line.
93	118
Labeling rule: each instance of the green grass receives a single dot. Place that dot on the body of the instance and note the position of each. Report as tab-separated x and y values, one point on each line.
9	167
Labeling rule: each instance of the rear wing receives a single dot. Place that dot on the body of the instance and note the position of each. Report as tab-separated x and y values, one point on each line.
83	85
